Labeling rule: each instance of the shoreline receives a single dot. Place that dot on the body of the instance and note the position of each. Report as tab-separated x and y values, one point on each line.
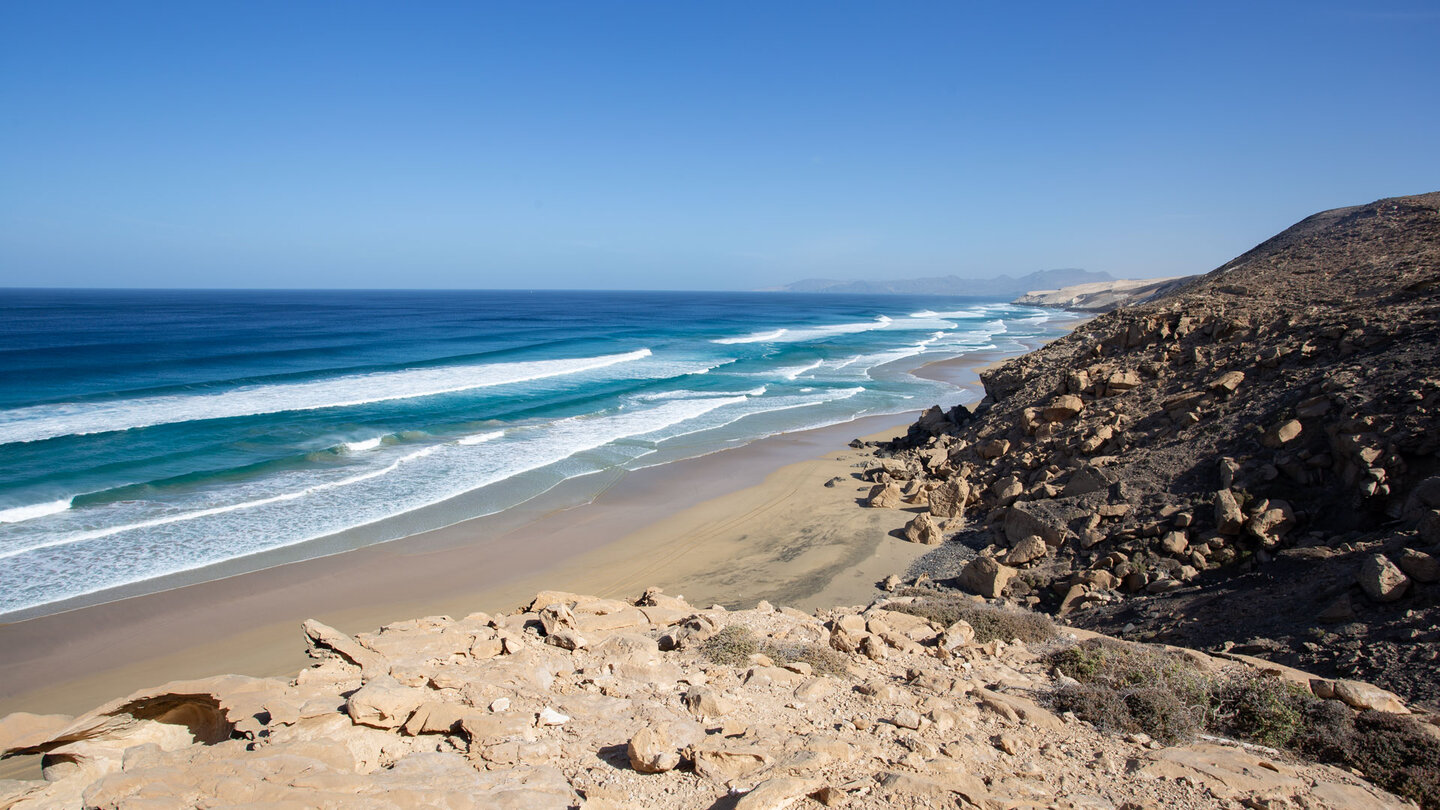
735	526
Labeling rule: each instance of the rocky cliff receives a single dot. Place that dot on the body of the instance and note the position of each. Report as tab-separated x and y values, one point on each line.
1103	296
1248	463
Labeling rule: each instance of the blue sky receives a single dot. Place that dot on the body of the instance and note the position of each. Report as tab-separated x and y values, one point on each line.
690	145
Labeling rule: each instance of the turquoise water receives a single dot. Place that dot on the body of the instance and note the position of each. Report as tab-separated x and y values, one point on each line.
144	433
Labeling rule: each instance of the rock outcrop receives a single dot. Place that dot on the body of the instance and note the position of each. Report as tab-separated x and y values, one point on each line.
854	707
1252	458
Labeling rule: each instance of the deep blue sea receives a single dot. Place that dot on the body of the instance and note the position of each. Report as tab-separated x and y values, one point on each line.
144	433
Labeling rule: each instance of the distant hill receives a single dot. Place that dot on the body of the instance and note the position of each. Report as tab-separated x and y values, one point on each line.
1001	286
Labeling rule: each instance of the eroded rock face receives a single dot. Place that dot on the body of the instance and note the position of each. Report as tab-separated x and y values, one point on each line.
914	715
1281	412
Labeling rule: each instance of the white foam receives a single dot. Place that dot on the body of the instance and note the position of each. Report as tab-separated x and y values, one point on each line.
34	423
661	396
361	446
799	335
480	438
17	514
453	468
756	337
792	372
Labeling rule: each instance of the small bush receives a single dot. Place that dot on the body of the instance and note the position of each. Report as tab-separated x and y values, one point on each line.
821	658
1394	751
1128	687
990	622
732	646
1268	710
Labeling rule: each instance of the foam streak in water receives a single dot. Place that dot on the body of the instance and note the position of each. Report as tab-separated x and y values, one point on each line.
39	422
21	513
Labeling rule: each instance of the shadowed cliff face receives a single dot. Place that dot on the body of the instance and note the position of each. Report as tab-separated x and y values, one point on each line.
1250	459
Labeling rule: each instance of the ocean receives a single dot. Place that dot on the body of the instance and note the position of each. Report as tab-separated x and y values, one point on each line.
149	432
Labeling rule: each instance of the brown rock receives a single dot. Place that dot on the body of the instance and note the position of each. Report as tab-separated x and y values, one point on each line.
1282	433
1174	543
656	748
1361	695
994	448
923	530
1122	381
948	499
1420	566
1027	550
885	496
1063	407
1382	580
1227	383
778	793
1228	517
985	576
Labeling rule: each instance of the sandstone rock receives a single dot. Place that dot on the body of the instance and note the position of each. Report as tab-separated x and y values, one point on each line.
1361	695
656	748
923	530
1228	517
1063	407
994	448
1382	580
1007	487
885	496
1122	381
1282	433
1027	550
1228	382
985	576
948	500
1174	543
723	763
778	793
326	640
1420	566
706	703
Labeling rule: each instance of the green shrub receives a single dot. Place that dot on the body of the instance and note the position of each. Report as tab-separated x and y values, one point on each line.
990	622
1268	710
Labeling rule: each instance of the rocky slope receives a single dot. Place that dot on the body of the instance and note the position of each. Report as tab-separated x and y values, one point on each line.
575	701
1248	463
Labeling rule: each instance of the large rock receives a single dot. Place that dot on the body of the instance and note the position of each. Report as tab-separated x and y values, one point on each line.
1027	550
885	496
1361	695
1063	407
384	703
656	748
1420	566
986	576
948	500
778	793
1228	517
1382	580
923	530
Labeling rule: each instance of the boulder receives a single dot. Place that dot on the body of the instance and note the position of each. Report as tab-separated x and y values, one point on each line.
1228	517
994	448
778	793
1362	696
1282	434
1063	407
1420	566
656	748
1425	496
1227	383
384	703
885	496
1174	543
986	577
1382	580
1122	381
1027	550
923	530
948	499
1007	487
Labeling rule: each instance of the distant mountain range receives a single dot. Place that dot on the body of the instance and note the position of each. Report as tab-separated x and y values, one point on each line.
997	286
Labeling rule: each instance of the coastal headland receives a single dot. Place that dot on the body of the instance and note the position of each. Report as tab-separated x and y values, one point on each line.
1245	464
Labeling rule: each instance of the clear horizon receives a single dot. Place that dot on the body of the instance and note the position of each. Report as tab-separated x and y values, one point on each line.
642	145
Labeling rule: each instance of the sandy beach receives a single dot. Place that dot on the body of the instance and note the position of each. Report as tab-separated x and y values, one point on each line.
756	522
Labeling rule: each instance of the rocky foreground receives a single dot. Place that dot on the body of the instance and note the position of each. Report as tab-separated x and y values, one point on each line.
1248	463
576	701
